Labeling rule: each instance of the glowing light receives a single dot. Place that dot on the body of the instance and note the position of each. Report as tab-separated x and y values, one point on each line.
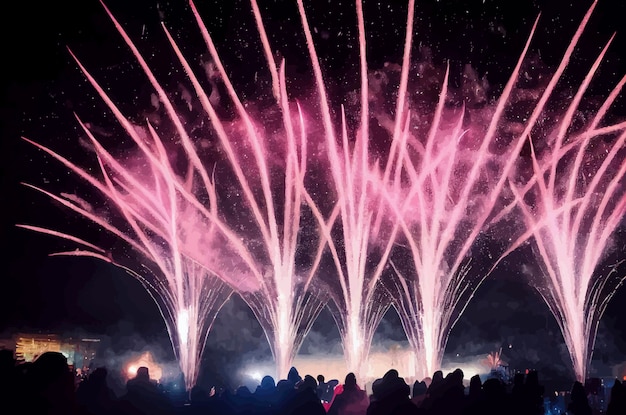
144	360
256	375
183	326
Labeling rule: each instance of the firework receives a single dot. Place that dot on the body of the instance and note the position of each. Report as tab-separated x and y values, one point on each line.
459	188
360	253
184	209
494	360
571	199
400	229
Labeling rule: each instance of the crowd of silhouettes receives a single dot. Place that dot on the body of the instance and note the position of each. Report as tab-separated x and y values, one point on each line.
48	386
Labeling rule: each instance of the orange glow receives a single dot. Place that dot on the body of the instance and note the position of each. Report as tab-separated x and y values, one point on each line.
145	360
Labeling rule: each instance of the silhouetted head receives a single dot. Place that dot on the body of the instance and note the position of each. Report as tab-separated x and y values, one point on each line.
350	381
391	374
49	367
475	385
243	392
284	385
419	388
308	382
390	384
618	394
578	392
52	360
437	377
293	376
51	380
267	382
458	375
320	379
143	373
493	388
532	378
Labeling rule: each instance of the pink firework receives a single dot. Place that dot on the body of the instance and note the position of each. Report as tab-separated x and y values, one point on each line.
573	201
458	187
422	207
188	211
359	300
189	295
494	360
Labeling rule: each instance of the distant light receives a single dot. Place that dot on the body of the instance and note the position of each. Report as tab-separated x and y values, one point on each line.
510	346
256	375
145	360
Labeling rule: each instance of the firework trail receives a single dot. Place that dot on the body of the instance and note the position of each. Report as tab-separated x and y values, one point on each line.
189	295
572	205
572	200
422	208
358	248
457	190
184	209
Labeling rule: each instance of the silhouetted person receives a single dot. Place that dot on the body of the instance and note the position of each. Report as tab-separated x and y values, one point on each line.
435	390
453	399
617	404
533	394
518	395
437	379
494	398
243	401
579	404
293	377
390	395
474	396
143	396
325	390
50	386
419	392
351	401
305	400
266	396
201	400
94	397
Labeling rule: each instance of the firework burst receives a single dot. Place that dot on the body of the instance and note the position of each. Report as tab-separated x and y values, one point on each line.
401	229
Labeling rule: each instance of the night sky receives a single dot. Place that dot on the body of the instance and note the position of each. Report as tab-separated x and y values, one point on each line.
42	87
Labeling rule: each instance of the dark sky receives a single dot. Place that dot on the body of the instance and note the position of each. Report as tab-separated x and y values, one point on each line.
42	87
